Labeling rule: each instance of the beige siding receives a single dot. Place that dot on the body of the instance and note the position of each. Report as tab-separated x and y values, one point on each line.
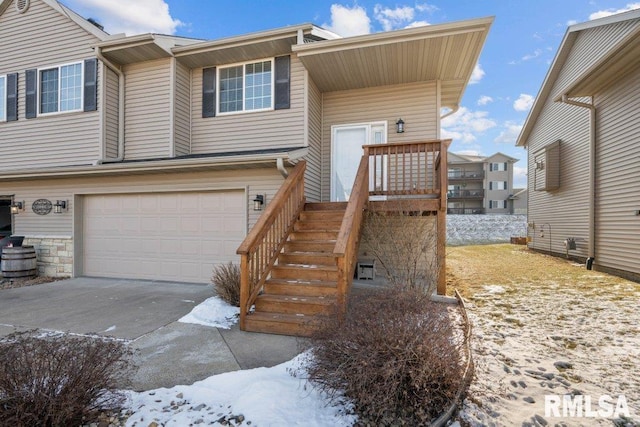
111	113
313	180
251	130
618	188
414	103
147	109
43	37
182	111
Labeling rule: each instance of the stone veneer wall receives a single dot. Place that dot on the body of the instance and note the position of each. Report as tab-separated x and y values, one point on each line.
54	255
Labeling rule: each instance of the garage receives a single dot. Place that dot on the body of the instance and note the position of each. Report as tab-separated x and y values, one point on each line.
161	236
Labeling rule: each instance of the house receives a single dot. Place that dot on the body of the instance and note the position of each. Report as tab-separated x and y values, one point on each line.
581	138
157	157
479	184
519	199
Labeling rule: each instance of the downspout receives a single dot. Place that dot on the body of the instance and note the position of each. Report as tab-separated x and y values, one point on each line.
280	166
120	74
592	175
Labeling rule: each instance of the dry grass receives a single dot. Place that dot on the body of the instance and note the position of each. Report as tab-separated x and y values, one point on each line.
9	283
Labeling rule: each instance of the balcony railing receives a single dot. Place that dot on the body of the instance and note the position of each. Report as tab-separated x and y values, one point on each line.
466	175
465	194
465	211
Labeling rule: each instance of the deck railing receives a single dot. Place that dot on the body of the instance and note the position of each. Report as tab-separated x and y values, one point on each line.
465	194
261	247
466	175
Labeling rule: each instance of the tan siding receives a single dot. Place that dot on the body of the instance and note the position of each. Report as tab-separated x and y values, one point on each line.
182	119
43	37
414	103
618	188
314	159
249	131
147	110
111	119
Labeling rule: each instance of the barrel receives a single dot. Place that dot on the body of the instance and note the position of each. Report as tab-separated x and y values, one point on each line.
19	261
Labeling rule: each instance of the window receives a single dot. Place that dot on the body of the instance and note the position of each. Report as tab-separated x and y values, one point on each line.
498	185
61	89
246	87
497	167
3	98
498	204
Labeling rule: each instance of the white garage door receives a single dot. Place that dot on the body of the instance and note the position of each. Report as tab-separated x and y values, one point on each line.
162	236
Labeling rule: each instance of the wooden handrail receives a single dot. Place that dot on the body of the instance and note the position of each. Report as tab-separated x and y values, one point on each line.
259	250
346	249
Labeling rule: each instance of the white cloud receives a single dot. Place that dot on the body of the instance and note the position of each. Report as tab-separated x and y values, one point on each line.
609	12
131	17
533	55
425	7
393	18
509	134
469	153
523	103
520	176
416	24
484	100
465	125
571	22
348	21
477	74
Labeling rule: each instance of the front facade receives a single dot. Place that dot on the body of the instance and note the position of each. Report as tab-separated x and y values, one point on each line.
147	156
480	185
581	137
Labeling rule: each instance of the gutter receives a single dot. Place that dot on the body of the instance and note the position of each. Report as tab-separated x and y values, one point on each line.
592	174
121	95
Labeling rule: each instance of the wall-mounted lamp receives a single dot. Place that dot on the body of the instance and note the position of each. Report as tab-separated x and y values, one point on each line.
17	207
258	202
60	206
400	126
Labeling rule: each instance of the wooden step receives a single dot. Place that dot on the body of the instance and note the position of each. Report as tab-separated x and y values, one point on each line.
325	206
326	215
309	246
280	323
322	235
295	304
317	225
307	258
300	287
310	272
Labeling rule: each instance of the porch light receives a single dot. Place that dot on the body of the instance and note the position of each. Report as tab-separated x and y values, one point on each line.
60	206
258	202
400	126
17	207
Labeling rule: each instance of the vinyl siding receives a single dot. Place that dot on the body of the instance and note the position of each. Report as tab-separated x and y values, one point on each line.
147	109
43	37
415	103
313	179
618	188
111	113
250	130
181	121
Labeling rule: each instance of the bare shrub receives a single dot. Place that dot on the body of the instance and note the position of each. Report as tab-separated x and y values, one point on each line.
226	281
404	243
392	356
59	380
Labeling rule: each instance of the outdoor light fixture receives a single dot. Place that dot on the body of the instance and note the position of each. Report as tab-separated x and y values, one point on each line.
258	202
400	126
60	206
17	207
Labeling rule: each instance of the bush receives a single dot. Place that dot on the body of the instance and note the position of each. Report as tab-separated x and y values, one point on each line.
392	356
59	380
226	281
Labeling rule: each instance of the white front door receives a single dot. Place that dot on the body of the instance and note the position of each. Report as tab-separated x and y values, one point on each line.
346	152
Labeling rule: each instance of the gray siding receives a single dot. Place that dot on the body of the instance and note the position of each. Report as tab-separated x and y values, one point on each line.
182	112
111	106
313	181
251	130
43	37
147	109
618	188
415	103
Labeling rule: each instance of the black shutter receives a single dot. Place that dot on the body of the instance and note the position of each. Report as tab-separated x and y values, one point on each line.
209	92
91	84
506	166
283	82
12	97
490	185
31	94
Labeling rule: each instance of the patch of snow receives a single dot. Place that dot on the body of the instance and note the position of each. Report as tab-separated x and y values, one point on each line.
188	300
213	312
484	229
110	328
494	289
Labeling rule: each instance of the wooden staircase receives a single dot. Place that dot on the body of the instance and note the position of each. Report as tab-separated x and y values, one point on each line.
303	283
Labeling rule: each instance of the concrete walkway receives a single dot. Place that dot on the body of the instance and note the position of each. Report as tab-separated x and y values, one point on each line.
145	313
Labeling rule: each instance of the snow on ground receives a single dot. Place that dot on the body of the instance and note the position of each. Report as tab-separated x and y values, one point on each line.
482	229
213	312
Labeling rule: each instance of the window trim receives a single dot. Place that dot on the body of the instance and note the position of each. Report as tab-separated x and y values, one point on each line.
3	99
59	67
243	65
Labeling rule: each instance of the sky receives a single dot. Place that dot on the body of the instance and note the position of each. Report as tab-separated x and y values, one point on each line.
518	52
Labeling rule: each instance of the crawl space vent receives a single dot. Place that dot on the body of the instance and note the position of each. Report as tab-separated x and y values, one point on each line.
22	5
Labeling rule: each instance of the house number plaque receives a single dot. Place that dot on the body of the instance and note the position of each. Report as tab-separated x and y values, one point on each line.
41	206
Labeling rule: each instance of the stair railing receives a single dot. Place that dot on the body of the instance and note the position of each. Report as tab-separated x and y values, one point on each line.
261	247
346	249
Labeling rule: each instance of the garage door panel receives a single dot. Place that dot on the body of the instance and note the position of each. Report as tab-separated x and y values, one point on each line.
162	236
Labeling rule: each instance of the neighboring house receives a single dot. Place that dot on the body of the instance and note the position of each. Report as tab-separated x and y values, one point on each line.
154	157
583	154
519	201
480	185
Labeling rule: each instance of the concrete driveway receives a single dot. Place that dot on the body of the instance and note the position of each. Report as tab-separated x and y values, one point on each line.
145	314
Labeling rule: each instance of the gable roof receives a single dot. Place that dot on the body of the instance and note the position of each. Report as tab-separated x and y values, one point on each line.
620	57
